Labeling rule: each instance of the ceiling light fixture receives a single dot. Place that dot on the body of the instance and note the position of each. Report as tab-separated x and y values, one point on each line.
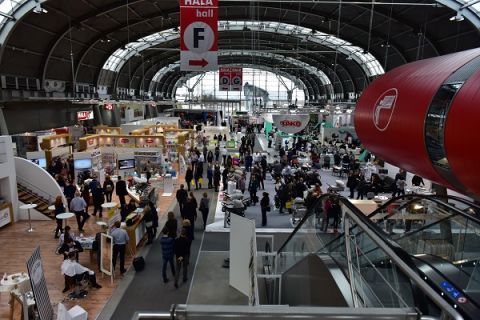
458	17
38	9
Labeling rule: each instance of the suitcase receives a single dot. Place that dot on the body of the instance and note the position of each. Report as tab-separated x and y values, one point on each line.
139	263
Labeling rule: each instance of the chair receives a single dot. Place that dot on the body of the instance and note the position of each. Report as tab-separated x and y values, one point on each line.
76	286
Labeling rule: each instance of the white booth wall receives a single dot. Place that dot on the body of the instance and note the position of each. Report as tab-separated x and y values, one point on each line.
8	179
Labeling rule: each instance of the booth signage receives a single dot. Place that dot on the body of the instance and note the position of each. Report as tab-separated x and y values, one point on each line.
91	141
149	140
198	35
84	115
291	123
124	140
39	286
109	106
230	79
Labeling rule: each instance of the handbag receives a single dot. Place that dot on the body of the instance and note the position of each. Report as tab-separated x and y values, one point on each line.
149	224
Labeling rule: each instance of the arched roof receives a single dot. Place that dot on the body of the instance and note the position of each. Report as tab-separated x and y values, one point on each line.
74	39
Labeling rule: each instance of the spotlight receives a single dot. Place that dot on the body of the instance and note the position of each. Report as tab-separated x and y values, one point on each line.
38	9
458	17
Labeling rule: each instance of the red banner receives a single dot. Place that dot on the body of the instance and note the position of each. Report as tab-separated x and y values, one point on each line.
230	79
198	35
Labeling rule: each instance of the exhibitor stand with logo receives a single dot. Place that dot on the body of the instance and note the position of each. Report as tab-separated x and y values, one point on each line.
291	123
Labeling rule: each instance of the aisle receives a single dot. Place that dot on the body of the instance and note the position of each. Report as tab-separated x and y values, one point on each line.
145	290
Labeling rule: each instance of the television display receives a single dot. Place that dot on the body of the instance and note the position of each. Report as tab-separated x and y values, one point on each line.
82	164
126	164
42	162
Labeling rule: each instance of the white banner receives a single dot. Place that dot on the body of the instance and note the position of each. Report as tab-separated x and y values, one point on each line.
291	123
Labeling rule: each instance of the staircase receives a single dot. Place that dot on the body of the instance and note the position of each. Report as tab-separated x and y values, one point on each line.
26	195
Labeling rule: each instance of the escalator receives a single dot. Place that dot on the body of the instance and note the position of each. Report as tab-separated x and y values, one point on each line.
358	267
442	237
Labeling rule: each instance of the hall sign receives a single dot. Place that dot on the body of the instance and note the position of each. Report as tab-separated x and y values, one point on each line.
291	123
230	79
198	35
84	115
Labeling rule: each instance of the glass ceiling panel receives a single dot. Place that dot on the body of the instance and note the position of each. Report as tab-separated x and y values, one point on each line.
9	6
367	61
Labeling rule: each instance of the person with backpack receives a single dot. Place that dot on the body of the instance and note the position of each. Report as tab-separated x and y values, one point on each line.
253	188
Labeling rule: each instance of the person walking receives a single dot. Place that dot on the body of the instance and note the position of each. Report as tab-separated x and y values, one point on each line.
59	209
252	188
78	206
167	242
121	191
190	213
204	207
98	200
181	249
171	225
188	177
265	207
148	218
120	240
210	176
108	187
181	196
198	175
216	178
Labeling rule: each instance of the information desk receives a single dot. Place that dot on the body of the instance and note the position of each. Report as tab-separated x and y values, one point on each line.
136	232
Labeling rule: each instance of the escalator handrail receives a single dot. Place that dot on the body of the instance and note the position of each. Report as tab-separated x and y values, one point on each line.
433	198
399	256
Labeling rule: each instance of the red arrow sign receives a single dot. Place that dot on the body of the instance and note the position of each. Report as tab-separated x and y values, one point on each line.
202	63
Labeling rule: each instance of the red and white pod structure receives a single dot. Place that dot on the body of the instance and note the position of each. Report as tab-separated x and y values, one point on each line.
424	117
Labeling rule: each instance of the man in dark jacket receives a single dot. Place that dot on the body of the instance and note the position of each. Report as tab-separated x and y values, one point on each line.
182	254
167	244
190	213
121	190
189	177
181	196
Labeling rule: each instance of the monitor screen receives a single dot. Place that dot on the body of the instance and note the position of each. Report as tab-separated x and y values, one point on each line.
126	164
82	164
42	162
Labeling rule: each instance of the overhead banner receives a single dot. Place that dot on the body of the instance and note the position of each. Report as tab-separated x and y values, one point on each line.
291	123
230	79
198	35
39	286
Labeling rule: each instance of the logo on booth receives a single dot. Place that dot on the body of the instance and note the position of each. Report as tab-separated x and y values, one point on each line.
290	123
384	107
124	140
90	141
149	140
108	106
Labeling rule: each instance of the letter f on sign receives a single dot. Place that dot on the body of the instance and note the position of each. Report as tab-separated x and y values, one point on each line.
197	36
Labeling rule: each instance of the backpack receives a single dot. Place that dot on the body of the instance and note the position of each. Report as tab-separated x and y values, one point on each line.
109	188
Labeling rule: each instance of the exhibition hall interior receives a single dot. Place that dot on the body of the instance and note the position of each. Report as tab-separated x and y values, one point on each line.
239	159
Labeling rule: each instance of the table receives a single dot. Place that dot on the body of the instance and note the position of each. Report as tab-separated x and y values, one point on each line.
28	207
18	285
65	216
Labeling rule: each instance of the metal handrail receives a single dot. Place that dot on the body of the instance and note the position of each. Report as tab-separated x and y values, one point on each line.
47	197
277	312
388	246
